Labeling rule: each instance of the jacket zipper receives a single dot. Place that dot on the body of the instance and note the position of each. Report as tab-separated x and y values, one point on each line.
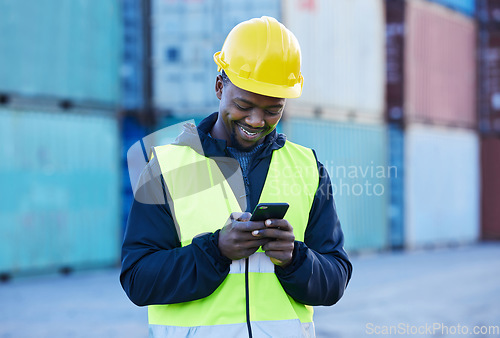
247	293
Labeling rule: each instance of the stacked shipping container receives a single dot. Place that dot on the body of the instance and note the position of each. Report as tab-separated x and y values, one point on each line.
431	55
60	49
185	36
430	78
60	191
59	202
489	115
340	113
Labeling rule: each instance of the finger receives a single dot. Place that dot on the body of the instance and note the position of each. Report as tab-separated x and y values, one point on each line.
248	226
252	244
273	233
280	256
243	236
278	246
278	223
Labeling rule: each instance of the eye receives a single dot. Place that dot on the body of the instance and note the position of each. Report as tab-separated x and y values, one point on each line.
273	113
242	108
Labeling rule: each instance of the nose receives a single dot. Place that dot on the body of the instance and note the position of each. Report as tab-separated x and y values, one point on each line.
255	119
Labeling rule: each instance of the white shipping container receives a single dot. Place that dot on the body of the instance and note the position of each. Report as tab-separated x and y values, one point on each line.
185	36
343	57
442	186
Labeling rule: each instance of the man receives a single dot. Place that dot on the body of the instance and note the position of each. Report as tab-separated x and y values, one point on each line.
190	252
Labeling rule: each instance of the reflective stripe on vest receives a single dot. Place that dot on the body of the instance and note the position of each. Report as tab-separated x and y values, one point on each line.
293	178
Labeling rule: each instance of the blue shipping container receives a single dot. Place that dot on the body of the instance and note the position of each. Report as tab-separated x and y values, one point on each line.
59	202
355	156
396	182
441	186
132	85
467	7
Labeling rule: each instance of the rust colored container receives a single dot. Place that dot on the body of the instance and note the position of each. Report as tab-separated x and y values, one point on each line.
440	66
489	88
394	44
490	188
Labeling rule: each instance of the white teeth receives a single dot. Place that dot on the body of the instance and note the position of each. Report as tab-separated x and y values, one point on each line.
247	132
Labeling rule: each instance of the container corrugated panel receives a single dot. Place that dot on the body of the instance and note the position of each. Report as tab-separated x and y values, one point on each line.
489	85
441	185
186	34
59	202
343	56
466	7
57	48
490	188
355	156
132	95
396	180
440	66
184	71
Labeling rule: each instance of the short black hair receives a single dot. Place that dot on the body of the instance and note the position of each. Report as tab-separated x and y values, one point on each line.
225	78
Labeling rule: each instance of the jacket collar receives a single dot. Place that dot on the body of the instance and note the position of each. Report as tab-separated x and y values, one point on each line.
212	147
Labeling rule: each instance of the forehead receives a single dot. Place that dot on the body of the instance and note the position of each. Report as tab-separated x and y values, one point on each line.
236	93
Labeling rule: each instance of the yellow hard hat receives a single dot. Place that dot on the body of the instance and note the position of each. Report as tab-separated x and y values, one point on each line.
262	56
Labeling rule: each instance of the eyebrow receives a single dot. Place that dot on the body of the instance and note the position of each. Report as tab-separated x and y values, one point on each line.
253	104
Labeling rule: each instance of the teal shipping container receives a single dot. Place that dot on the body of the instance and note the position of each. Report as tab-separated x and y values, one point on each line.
355	156
60	196
61	49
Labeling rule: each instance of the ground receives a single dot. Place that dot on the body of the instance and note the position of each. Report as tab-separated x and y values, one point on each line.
439	292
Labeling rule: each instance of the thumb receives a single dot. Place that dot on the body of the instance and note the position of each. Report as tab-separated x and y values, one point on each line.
245	216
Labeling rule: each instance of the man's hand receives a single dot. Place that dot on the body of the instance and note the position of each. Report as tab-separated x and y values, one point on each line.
235	238
280	246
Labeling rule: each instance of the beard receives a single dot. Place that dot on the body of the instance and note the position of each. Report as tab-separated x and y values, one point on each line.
237	145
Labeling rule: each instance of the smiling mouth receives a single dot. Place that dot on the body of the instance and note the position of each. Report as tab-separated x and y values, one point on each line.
249	133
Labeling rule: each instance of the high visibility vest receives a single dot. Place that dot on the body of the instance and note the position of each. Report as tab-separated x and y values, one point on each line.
251	297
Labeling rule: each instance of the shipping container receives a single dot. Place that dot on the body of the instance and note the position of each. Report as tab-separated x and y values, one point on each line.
489	82
132	74
395	48
60	196
355	156
488	13
466	7
396	144
61	49
343	56
441	186
490	188
440	66
185	36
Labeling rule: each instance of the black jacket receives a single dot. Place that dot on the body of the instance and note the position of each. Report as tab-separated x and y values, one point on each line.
157	270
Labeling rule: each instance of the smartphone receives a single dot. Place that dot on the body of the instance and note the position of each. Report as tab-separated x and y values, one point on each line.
265	211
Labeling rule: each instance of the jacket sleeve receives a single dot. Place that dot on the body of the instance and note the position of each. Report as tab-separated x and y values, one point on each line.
155	268
320	269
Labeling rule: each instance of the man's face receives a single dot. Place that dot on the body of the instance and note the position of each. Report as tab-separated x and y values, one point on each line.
247	117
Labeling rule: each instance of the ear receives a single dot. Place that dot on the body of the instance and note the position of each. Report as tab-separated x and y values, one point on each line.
219	84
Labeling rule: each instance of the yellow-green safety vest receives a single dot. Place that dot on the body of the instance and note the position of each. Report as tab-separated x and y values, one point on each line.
293	178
